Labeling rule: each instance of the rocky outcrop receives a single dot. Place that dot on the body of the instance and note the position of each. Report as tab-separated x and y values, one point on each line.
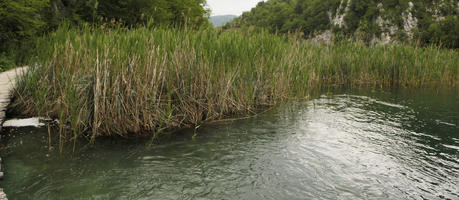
409	22
402	25
340	13
387	27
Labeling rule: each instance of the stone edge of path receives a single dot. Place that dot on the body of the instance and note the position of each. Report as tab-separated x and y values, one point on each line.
7	80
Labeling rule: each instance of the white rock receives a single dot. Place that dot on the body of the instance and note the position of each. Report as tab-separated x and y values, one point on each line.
29	122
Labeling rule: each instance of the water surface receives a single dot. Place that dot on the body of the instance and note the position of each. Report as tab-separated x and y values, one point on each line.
358	144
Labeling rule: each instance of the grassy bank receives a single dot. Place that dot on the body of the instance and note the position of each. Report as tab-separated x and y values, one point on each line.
118	81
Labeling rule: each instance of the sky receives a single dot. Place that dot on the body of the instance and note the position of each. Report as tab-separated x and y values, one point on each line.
230	7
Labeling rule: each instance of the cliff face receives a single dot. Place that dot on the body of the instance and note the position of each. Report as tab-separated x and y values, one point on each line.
376	21
394	22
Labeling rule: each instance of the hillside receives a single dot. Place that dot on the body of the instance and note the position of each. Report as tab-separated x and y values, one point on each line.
383	21
221	20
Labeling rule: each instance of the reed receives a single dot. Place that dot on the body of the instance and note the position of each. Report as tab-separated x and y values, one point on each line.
118	81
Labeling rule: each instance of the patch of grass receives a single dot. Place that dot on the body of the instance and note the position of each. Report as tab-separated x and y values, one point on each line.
104	82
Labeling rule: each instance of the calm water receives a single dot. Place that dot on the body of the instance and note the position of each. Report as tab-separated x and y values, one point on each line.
401	144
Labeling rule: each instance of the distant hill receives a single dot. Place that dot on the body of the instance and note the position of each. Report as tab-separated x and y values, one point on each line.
382	21
221	20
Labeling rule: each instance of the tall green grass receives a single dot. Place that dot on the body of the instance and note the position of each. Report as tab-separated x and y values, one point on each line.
102	82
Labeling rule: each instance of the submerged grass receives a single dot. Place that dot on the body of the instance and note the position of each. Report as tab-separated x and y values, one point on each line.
105	82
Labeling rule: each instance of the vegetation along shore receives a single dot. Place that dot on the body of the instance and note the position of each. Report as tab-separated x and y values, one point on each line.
106	68
120	81
362	93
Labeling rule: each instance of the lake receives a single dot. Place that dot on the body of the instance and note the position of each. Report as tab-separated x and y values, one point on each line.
341	144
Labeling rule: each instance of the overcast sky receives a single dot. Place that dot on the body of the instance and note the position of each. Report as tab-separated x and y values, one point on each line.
230	7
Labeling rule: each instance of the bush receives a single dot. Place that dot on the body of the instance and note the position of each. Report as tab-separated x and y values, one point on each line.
443	32
6	62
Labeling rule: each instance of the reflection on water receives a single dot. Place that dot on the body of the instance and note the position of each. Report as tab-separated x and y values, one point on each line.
342	145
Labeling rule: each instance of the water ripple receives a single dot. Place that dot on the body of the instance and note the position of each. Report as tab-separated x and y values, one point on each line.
351	146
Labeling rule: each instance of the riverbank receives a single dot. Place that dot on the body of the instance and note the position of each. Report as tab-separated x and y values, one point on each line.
104	82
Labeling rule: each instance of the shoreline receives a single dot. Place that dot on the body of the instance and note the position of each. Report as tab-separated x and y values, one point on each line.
7	81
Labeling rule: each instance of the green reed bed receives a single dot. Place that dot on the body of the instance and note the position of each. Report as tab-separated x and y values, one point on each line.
103	82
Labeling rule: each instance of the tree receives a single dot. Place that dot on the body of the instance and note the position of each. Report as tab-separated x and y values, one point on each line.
444	32
134	12
20	20
23	20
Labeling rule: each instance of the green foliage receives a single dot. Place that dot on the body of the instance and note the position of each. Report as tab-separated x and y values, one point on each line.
313	16
135	12
443	32
22	21
274	15
6	62
437	20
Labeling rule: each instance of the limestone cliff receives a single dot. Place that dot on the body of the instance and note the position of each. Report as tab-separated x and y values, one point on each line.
376	21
